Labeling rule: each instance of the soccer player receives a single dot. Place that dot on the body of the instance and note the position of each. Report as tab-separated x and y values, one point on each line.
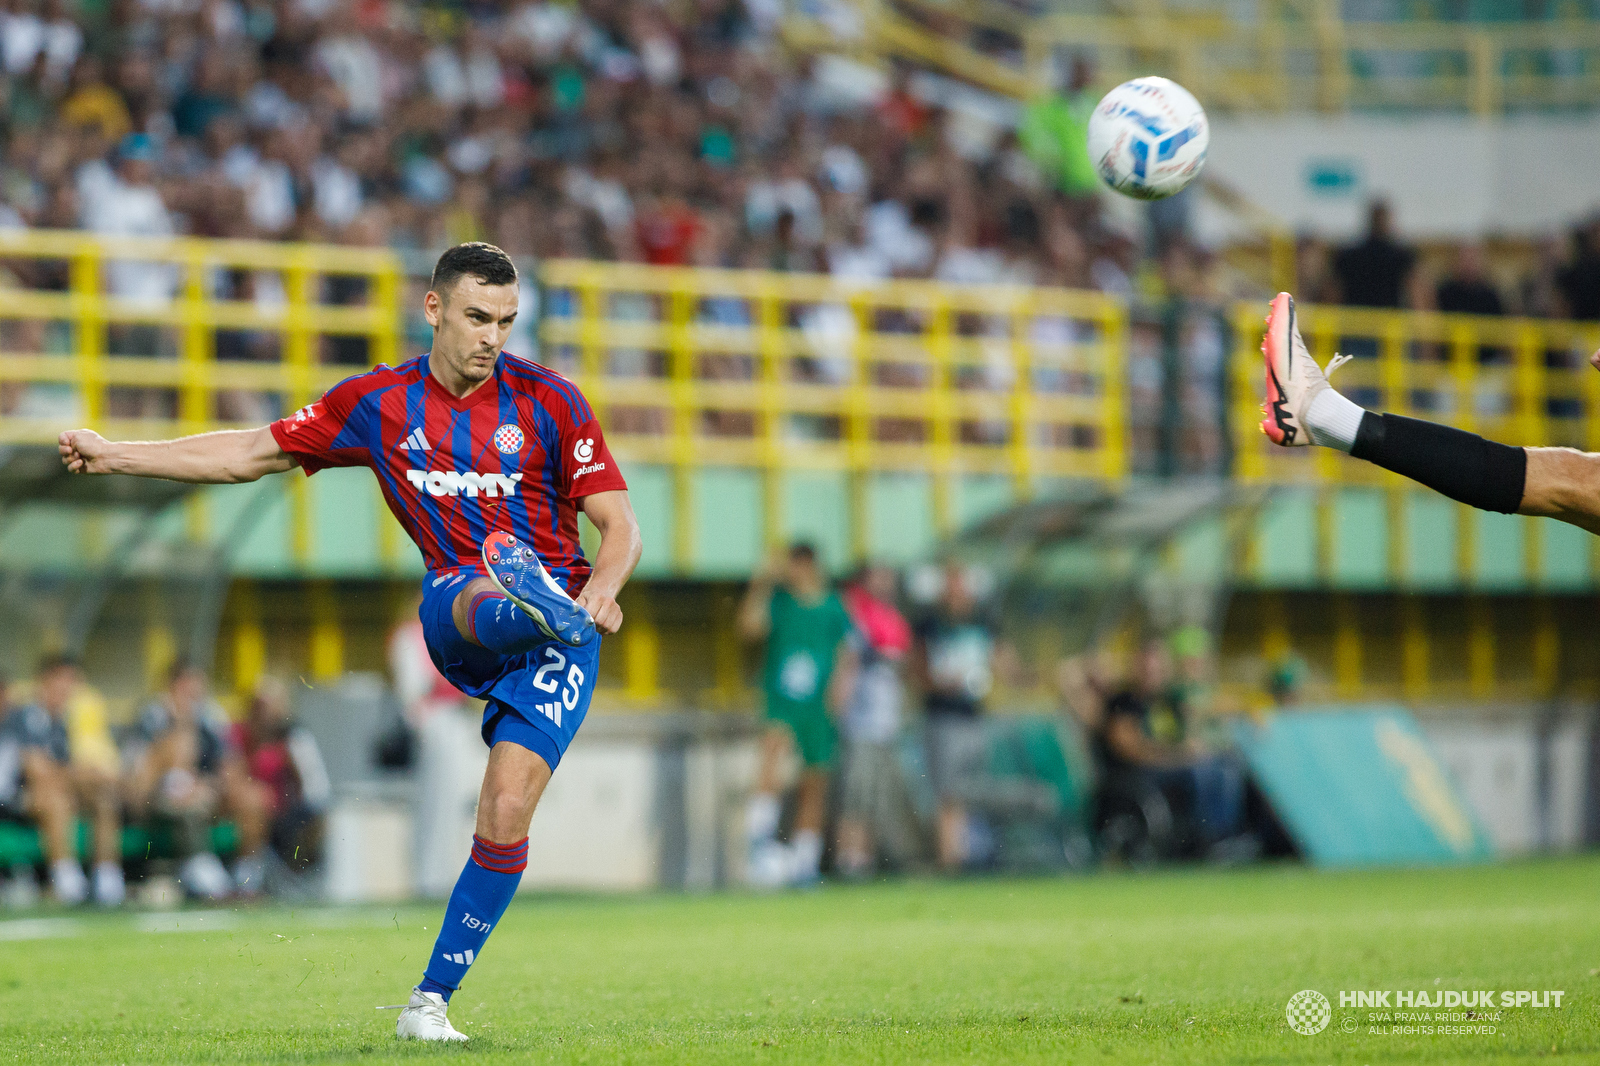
1302	408
485	459
810	666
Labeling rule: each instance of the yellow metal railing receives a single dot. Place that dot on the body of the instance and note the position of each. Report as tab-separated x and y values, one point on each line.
771	371
185	327
792	371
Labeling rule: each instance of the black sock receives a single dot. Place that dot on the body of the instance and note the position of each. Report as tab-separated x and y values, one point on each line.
1461	465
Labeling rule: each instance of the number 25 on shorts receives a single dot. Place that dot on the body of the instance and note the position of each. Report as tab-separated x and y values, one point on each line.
548	678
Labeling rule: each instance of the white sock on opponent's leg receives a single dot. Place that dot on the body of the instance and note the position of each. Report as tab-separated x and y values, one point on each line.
1333	420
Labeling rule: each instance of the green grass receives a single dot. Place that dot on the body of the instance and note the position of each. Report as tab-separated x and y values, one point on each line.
1184	967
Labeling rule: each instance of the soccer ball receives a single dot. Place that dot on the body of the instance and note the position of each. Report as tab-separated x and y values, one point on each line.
1148	137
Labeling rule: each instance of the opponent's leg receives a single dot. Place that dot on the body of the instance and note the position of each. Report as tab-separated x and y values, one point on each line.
1302	408
512	785
1565	484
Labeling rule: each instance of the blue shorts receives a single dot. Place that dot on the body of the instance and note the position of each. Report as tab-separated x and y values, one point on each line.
537	699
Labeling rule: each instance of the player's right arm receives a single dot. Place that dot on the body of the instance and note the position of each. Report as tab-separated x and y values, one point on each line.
755	610
225	457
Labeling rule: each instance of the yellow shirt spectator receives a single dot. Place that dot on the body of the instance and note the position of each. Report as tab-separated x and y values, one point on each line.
97	104
88	734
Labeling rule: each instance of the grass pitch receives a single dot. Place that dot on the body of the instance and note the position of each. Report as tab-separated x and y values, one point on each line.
1183	967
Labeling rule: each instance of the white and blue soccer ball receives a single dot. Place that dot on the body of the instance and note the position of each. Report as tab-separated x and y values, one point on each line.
1148	138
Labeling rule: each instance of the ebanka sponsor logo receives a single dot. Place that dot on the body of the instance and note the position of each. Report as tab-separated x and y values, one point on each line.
592	468
463	483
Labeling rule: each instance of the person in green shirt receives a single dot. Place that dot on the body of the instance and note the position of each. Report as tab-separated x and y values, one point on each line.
1055	132
808	667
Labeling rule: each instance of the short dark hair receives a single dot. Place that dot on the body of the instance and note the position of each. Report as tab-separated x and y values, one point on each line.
490	265
181	667
57	660
803	551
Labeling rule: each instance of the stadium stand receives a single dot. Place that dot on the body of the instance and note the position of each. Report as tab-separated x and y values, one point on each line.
819	273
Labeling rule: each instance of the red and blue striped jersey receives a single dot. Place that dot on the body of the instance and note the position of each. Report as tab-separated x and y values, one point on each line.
516	455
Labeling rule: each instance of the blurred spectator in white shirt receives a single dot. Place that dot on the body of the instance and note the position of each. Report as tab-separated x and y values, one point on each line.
127	204
349	58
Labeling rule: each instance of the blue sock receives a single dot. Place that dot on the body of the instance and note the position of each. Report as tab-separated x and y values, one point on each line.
502	626
481	896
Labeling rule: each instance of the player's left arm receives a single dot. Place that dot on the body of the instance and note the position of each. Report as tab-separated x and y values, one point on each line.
620	548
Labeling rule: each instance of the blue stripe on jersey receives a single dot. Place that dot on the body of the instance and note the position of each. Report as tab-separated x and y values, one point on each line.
521	524
432	524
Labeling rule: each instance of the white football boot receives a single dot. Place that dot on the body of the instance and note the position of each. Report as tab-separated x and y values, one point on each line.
424	1019
1293	377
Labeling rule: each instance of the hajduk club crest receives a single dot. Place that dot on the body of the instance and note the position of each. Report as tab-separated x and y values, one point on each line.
508	438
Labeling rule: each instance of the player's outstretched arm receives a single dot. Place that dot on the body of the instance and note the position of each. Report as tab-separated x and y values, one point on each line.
620	548
1563	483
221	458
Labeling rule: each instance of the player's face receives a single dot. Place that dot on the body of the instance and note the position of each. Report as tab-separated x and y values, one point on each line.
55	688
470	325
188	689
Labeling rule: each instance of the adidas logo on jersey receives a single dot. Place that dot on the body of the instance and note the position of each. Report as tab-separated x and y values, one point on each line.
454	483
415	442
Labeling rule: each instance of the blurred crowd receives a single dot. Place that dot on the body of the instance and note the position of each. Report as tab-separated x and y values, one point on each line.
664	133
1562	279
163	799
876	703
681	133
